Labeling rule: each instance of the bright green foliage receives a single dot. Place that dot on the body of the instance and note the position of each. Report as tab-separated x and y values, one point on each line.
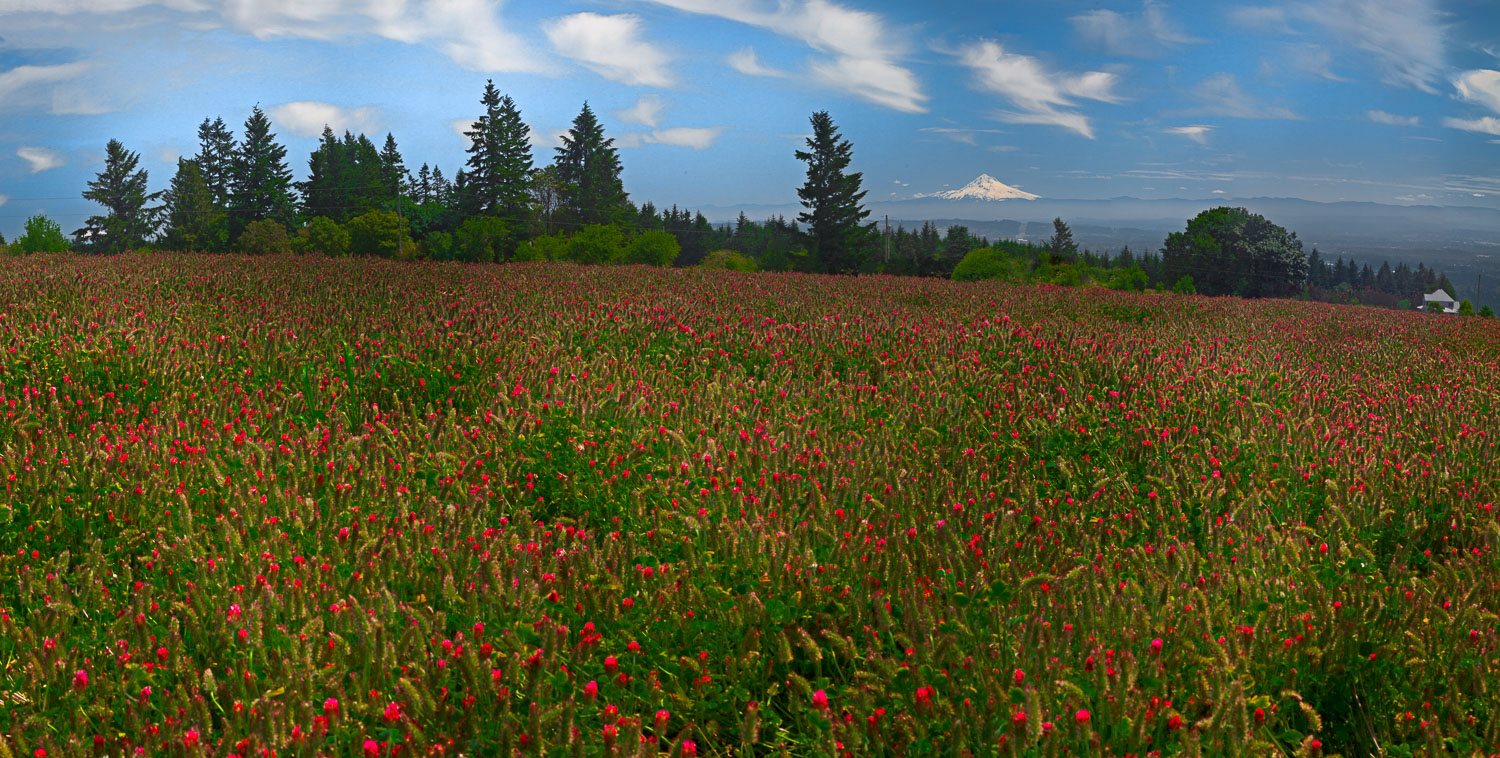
121	189
1184	286
588	168
194	222
499	164
41	235
1403	304
375	234
653	248
437	246
1486	312
548	247
264	237
260	182
325	237
1231	251
1465	308
987	263
484	239
727	260
1433	307
835	216
597	243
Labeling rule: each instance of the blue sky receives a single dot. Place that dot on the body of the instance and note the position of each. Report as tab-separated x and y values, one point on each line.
1391	101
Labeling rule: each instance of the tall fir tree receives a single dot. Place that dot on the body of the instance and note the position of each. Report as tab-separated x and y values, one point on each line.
499	164
326	191
215	159
393	172
121	189
588	166
834	216
193	221
261	185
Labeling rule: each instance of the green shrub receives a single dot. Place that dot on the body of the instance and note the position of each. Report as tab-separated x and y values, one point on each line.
1433	307
597	243
1465	308
1485	312
438	246
375	234
727	260
5	249
41	235
984	263
264	237
1131	279
1403	304
653	248
1185	286
483	239
548	247
324	235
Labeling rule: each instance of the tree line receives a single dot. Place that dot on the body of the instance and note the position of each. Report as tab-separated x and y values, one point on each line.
239	194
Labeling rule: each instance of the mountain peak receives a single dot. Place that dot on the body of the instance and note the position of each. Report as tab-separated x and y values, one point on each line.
984	187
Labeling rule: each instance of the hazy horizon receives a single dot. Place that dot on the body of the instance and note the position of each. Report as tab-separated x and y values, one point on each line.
1387	101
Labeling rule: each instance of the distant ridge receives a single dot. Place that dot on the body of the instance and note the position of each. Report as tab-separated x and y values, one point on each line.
985	187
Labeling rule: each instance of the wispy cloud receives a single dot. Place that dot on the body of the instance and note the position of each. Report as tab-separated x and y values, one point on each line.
863	55
40	159
1391	119
1480	86
1197	133
646	111
695	137
1405	39
611	46
306	118
1483	125
1147	34
745	61
960	134
1042	97
21	84
1221	95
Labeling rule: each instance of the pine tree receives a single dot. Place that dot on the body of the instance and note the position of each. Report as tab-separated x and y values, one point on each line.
261	184
588	165
393	172
121	189
499	165
326	192
834	215
422	189
1061	246
193	222
215	159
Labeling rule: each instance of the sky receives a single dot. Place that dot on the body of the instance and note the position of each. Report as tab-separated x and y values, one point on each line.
1388	101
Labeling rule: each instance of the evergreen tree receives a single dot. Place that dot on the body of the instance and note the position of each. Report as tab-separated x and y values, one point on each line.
393	172
261	184
588	166
215	159
499	164
193	222
366	183
1061	246
326	193
834	215
1234	251
422	189
121	189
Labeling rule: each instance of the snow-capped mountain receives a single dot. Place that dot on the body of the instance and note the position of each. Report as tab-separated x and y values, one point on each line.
986	187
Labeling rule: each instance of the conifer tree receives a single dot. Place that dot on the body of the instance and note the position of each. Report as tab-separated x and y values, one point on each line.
121	189
193	221
499	164
836	232
392	168
215	159
588	166
261	183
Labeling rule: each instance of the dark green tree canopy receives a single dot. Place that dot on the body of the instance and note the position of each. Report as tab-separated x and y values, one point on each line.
1231	251
834	216
1061	246
261	183
588	169
215	159
121	189
499	163
193	221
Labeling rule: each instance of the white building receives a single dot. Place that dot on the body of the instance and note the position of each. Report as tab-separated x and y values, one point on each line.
1443	299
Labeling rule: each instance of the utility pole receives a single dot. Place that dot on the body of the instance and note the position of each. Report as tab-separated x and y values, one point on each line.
399	254
887	238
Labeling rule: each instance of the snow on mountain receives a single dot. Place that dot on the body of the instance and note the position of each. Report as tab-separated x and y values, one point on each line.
986	187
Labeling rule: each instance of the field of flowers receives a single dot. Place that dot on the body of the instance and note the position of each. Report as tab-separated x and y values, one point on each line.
305	507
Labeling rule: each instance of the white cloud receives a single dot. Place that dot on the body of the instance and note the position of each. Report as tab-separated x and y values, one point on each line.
1197	133
1485	125
306	118
1217	192
695	137
1146	35
745	61
40	158
461	125
15	83
611	47
76	99
1480	86
1404	38
862	52
960	134
1039	94
1221	95
544	139
646	111
1391	119
4	199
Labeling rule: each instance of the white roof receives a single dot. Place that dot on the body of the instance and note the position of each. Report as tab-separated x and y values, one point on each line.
1439	296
